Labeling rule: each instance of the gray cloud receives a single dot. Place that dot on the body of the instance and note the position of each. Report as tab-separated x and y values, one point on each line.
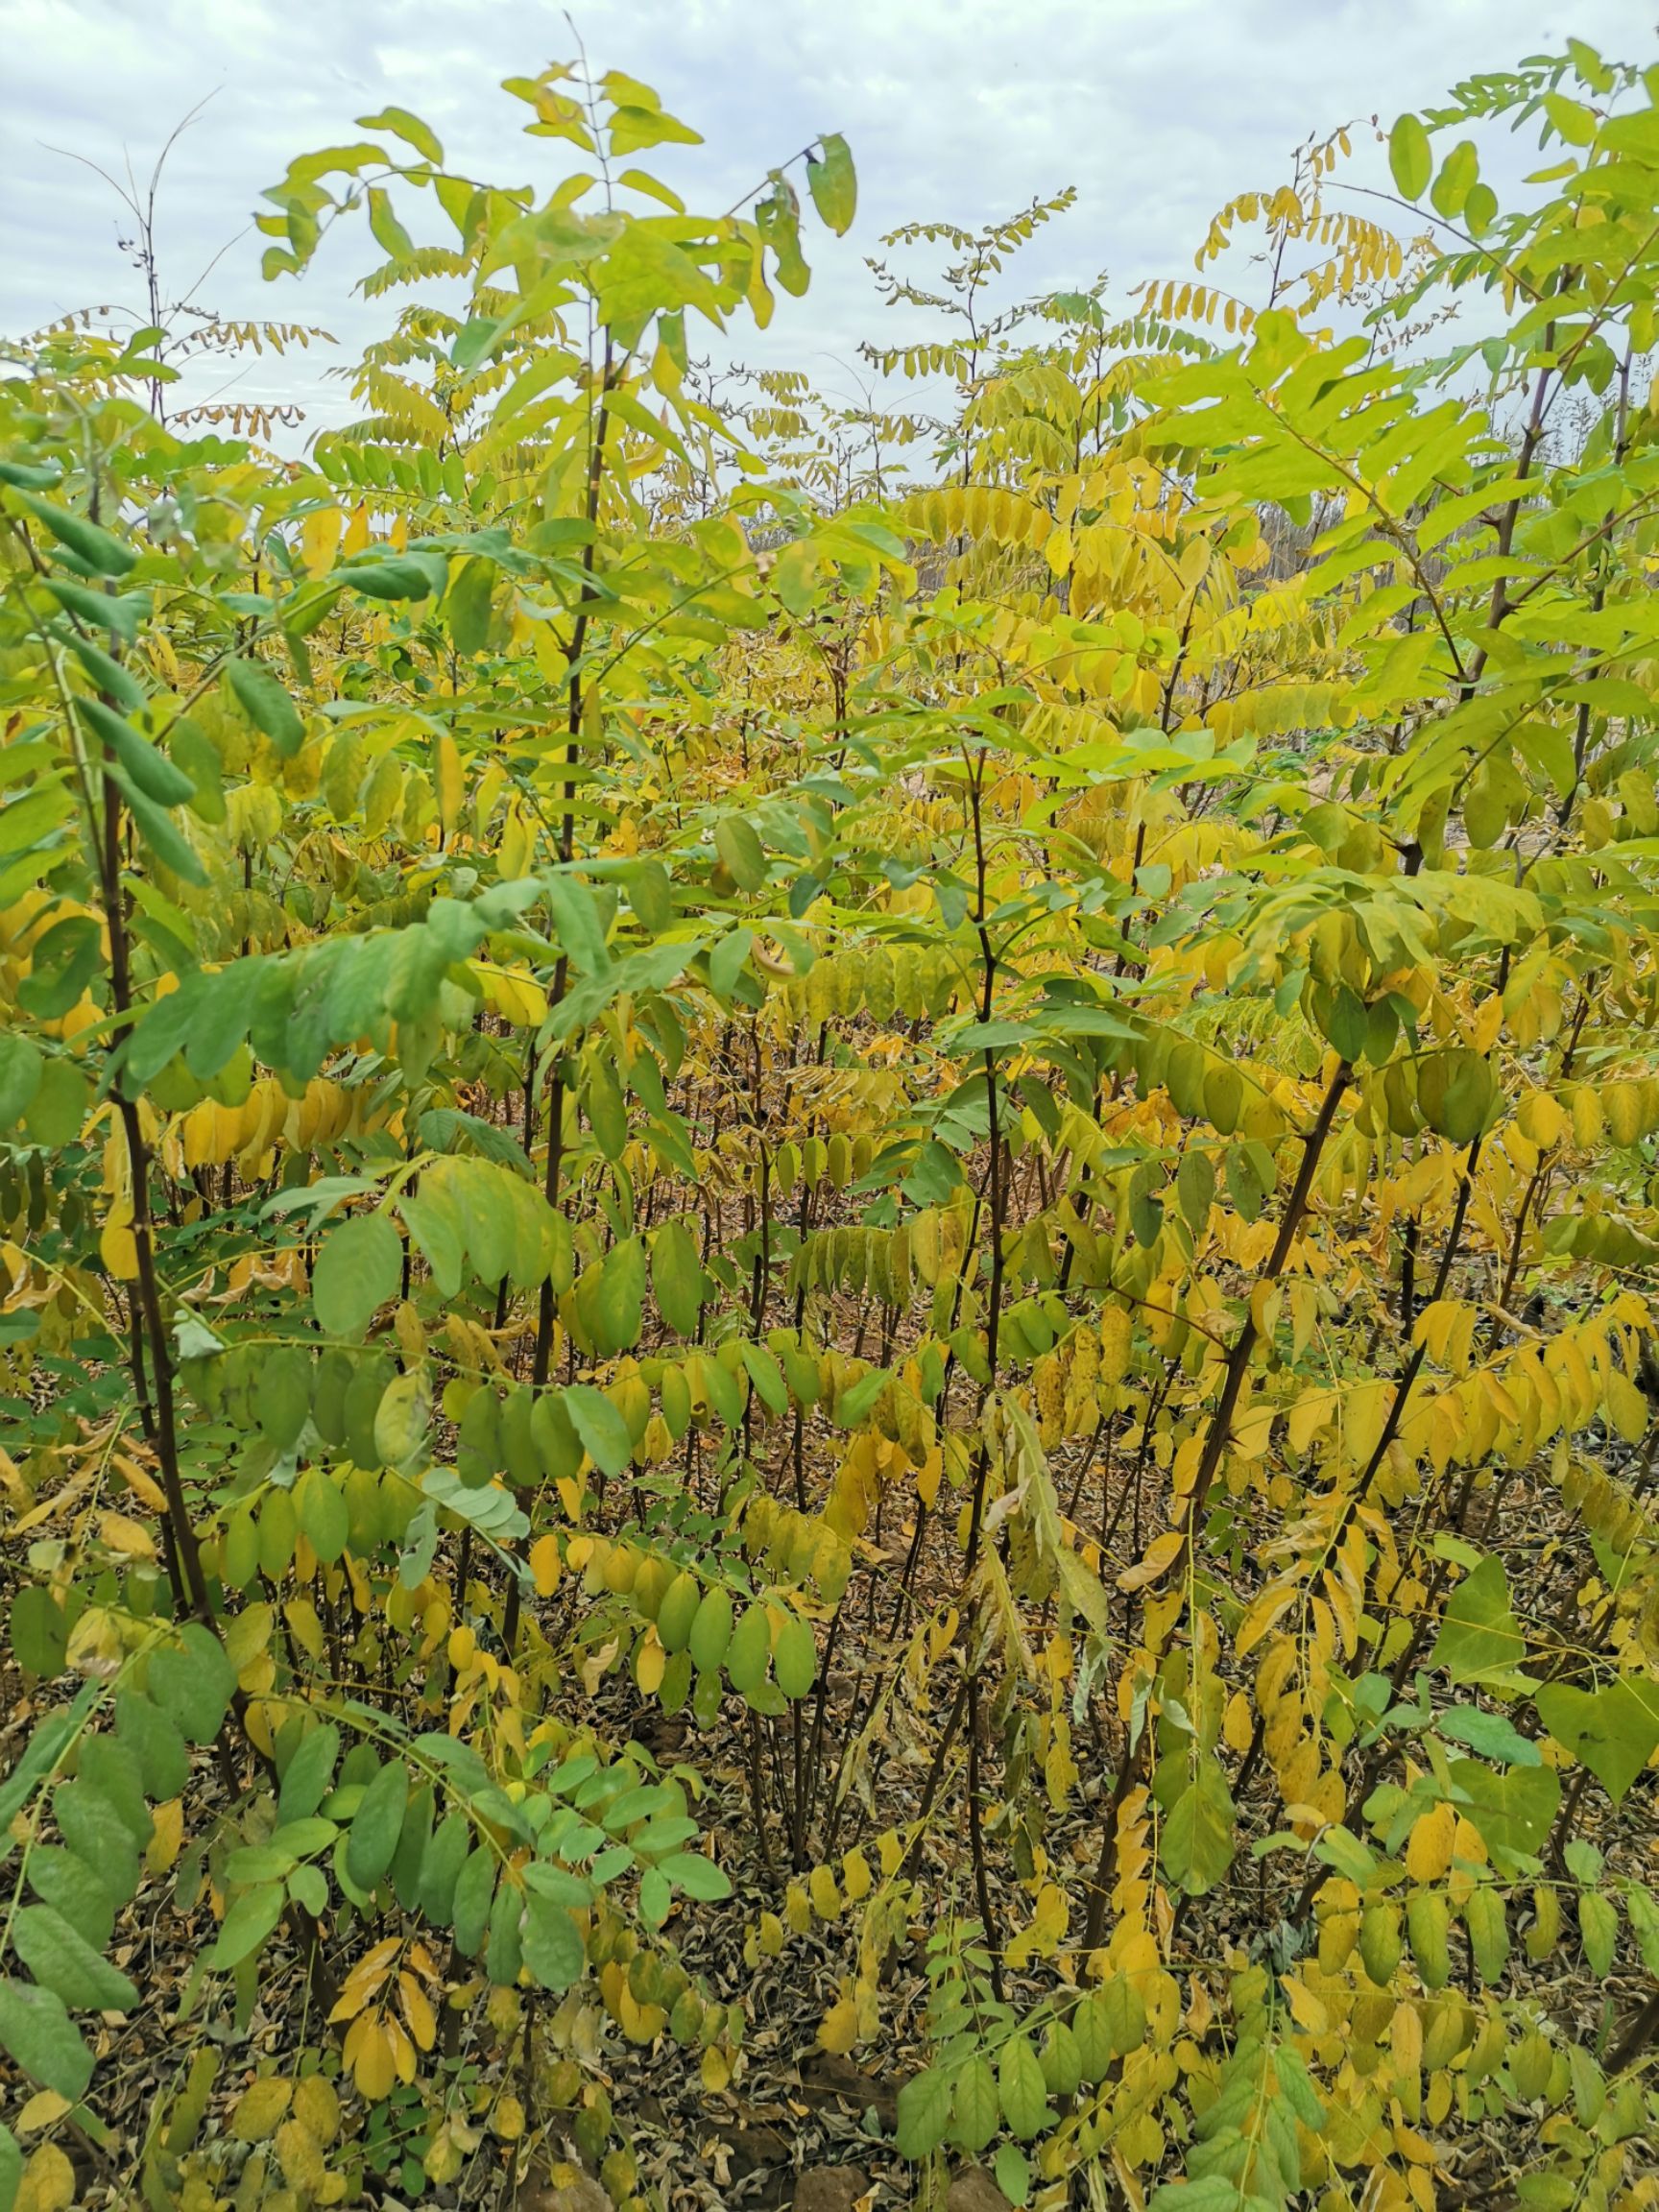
1156	110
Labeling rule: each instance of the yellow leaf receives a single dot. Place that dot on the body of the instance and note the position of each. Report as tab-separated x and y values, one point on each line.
449	781
1308	1416
118	1251
46	2107
364	1978
1252	1431
48	2183
1406	2039
838	2030
1429	1846
373	2067
142	1484
1237	1727
517	997
545	1565
1161	1554
166	1835
123	1534
855	1876
418	2011
515	845
259	2109
320	536
317	2103
403	2056
1306	2010
650	1664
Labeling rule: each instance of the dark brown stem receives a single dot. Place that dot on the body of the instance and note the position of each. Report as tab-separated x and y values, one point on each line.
1214	1445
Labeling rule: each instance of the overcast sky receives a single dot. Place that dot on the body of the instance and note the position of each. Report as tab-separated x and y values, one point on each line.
1157	111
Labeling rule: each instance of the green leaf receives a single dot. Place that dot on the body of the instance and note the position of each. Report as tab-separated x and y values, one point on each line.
1013	2171
741	851
403	1419
833	185
250	1918
1481	1639
634	129
924	2112
1456	1091
266	703
697	1875
59	1107
1296	2085
1598	1931
975	2108
308	1886
96	1834
1210	2193
405	125
1195	1189
552	1944
110	677
194	1686
473	1893
677	1278
388	233
656	1897
282	1395
301	1838
1512	1809
577	921
1196	1845
105	555
10	2168
795	1661
467	605
1614	1731
149	771
65	960
618	1297
359	1267
1409	157
1490	1735
602	1431
38	2033
111	1767
407	576
30	476
1022	2089
43	1747
60	1879
61	1959
157	1743
377	1824
306	1778
40	1630
156	827
21	1061
322	1512
119	611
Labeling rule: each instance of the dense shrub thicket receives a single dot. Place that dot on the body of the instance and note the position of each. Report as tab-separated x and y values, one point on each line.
825	1221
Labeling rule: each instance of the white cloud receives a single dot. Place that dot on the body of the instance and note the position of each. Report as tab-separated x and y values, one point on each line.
1157	109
